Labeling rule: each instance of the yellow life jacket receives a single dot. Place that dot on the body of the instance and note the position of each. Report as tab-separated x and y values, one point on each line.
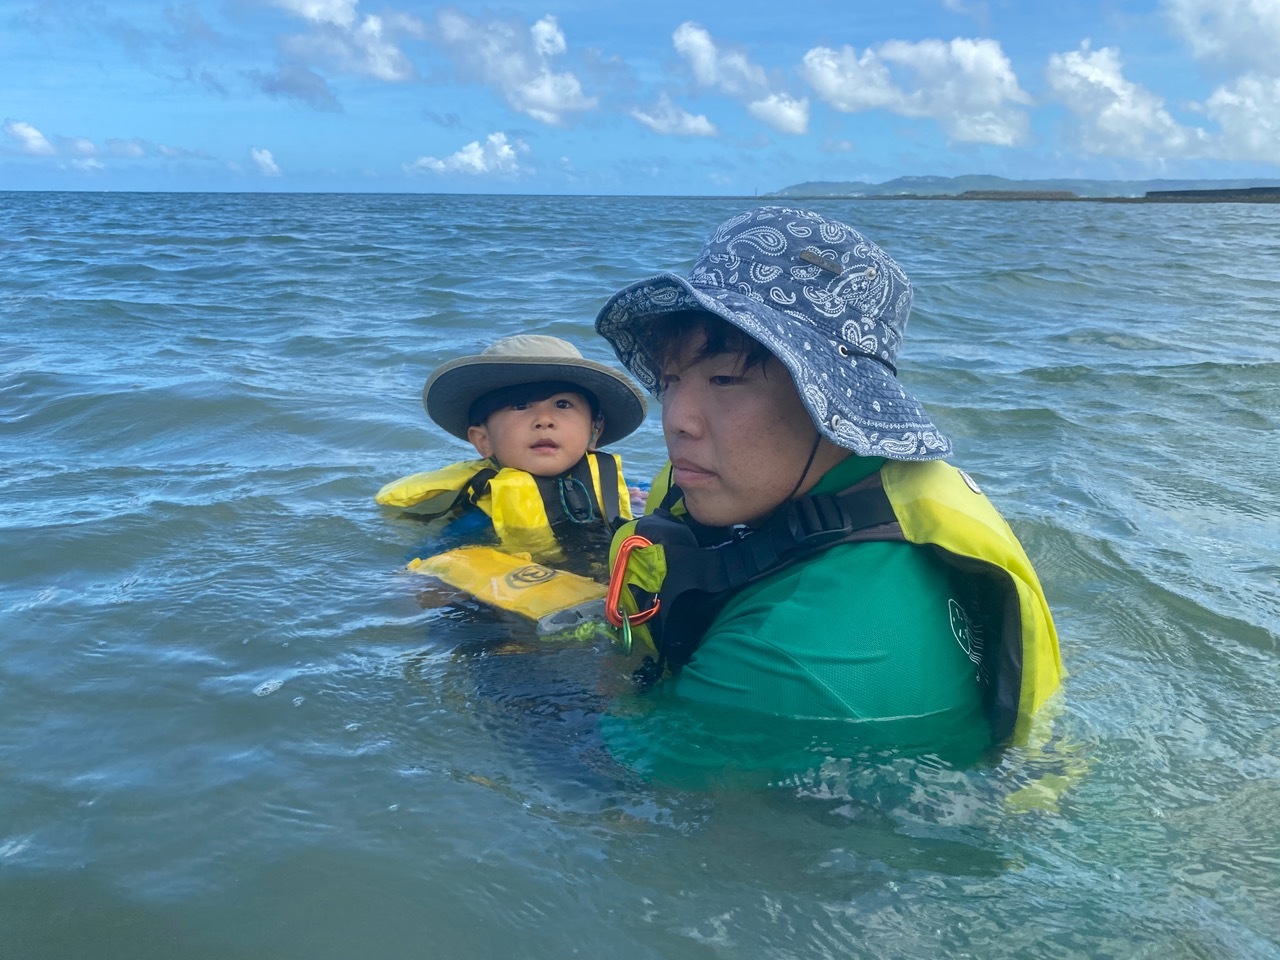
527	511
666	589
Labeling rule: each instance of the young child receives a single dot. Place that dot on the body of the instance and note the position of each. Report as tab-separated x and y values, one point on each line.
535	410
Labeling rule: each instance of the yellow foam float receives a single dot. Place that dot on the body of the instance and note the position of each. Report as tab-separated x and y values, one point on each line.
558	602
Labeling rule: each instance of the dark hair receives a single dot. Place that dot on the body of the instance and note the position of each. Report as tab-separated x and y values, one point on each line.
489	403
670	333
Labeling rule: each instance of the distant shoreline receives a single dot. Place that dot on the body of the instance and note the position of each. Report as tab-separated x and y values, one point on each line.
1189	196
1060	193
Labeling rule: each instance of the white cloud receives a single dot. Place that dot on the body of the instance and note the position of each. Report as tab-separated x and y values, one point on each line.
1248	111
547	38
549	96
30	140
976	10
968	86
367	49
517	63
79	146
850	82
377	56
494	156
83	152
667	118
266	163
340	13
126	148
1240	35
731	72
785	114
1115	117
180	153
1244	34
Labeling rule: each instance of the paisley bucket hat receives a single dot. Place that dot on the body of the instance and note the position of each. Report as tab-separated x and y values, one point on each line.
819	296
454	387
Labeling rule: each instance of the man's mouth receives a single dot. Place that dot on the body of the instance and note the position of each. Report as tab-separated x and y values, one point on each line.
686	471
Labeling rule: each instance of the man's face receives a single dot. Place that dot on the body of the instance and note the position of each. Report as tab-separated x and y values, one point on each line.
738	439
542	437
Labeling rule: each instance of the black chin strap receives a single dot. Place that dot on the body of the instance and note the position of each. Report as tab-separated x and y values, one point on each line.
710	536
817	440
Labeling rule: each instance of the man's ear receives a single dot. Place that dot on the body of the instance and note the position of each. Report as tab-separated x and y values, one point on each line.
479	438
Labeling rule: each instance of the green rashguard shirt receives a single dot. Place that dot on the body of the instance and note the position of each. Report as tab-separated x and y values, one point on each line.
859	632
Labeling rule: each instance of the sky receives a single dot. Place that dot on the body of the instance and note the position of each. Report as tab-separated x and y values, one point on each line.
653	97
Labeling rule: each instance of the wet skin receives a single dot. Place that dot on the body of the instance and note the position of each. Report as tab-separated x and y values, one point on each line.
542	437
738	438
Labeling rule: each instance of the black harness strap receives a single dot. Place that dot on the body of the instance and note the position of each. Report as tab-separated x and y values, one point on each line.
608	468
700	580
570	497
475	488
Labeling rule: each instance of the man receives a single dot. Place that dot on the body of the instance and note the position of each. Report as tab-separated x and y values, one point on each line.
808	554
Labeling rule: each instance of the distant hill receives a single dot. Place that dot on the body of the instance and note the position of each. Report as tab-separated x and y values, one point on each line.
954	186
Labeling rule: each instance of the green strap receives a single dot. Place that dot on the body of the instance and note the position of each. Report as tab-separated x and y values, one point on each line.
571	496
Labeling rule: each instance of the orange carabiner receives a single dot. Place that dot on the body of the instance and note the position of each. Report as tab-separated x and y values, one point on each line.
612	611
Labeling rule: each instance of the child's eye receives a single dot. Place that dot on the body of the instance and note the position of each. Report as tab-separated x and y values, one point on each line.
563	404
522	405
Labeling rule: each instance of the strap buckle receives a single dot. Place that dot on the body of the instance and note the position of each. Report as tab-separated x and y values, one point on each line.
612	609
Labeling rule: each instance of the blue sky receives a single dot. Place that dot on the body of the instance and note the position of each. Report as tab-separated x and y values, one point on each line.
659	97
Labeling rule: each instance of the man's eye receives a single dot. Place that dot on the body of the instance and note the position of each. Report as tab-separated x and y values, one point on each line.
725	380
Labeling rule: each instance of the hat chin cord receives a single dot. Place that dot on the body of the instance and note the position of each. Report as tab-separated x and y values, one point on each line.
813	452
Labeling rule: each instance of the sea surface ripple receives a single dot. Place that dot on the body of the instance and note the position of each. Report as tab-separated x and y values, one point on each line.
234	727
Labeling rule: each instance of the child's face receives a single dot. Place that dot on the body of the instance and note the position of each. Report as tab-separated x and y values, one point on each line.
542	437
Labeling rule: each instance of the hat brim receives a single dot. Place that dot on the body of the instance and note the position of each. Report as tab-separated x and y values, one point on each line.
856	402
452	389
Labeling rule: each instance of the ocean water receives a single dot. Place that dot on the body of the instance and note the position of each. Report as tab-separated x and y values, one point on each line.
233	727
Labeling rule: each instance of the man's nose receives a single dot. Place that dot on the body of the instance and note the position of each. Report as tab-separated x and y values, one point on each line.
681	412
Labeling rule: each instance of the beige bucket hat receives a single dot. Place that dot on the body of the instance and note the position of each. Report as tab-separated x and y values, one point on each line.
456	385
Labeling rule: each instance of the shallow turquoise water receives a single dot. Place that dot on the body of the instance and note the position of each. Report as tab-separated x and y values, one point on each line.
233	729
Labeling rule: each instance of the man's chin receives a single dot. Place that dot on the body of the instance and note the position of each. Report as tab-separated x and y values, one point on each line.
712	512
706	513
